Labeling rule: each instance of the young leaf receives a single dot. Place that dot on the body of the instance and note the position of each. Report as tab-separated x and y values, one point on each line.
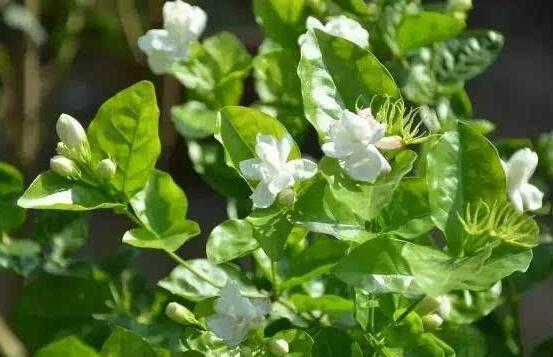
126	130
238	128
123	343
425	28
161	206
51	191
11	187
67	346
194	120
271	228
336	74
230	240
463	167
282	20
330	304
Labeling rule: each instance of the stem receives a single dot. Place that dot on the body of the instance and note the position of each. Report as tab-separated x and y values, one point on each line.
292	309
274	278
513	302
187	266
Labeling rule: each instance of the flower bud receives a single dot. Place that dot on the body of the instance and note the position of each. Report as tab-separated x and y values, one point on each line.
180	314
279	347
106	169
432	322
64	166
287	197
393	142
62	150
70	132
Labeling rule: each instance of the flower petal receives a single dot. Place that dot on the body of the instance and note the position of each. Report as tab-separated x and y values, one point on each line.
285	147
531	197
280	182
366	165
521	167
262	197
266	149
516	200
302	169
251	169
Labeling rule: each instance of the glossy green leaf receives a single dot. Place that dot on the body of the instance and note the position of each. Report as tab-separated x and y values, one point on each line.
214	70
162	207
21	256
11	187
470	306
238	130
271	228
194	120
125	129
332	304
67	346
124	343
230	240
282	20
51	191
39	314
425	28
299	342
201	279
336	74
463	167
365	199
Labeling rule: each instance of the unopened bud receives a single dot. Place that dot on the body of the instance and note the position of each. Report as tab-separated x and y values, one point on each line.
180	314
279	347
287	197
432	322
106	169
63	150
393	142
71	132
64	166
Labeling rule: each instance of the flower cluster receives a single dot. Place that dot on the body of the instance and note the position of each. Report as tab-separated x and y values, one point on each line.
182	24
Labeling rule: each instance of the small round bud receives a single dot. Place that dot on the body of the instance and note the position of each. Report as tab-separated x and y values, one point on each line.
432	322
279	347
70	132
287	197
106	169
64	166
393	142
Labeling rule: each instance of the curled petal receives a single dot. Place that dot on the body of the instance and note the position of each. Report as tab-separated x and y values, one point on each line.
251	169
521	167
302	169
262	197
285	147
366	165
531	197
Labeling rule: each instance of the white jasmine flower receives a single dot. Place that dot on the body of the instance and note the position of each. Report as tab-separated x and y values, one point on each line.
273	170
340	26
71	132
354	141
64	167
183	23
235	315
518	170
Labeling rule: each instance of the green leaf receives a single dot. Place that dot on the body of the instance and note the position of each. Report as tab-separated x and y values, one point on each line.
299	342
466	340
470	306
408	214
332	342
238	130
123	343
215	69
336	74
51	305
271	229
463	167
377	266
161	206
21	256
317	259
51	191
275	82
365	199
282	20
11	187
332	304
425	28
194	120
125	129
230	240
69	346
201	279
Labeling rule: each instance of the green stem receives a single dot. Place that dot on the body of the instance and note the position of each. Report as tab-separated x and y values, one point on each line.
187	266
513	302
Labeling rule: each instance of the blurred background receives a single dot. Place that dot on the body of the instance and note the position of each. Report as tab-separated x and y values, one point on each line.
89	53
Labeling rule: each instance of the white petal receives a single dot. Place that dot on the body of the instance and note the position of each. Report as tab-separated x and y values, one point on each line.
516	200
330	150
313	23
267	149
285	147
251	169
280	182
521	167
227	328
531	197
302	169
366	165
262	197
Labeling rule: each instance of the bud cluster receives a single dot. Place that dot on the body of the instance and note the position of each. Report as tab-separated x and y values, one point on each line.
73	152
